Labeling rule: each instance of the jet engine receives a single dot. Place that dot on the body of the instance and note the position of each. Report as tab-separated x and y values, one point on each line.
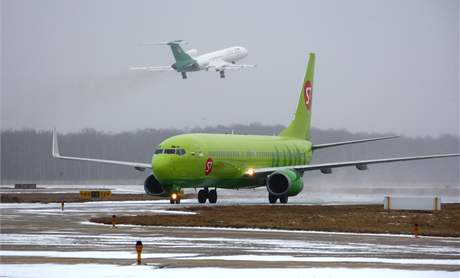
153	187
285	182
192	52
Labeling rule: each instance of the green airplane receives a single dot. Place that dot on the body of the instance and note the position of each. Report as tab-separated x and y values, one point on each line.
211	161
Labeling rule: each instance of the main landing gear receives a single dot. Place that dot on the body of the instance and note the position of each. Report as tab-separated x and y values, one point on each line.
272	199
206	194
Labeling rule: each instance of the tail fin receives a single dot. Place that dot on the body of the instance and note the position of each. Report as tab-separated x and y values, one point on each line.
300	126
179	54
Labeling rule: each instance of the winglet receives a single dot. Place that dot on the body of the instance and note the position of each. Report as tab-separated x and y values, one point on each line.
55	149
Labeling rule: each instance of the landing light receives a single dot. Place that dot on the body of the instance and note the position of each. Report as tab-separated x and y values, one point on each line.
174	196
250	172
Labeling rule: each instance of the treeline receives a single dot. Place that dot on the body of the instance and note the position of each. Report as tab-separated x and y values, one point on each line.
26	154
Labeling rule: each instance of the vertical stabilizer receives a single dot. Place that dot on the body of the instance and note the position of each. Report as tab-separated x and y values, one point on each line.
300	126
179	54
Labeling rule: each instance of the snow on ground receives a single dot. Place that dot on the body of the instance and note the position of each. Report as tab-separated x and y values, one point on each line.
113	271
92	254
254	245
327	259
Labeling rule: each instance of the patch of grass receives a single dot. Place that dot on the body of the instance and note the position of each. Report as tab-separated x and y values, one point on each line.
337	218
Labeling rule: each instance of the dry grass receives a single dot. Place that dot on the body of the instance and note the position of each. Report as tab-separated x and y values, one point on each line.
338	218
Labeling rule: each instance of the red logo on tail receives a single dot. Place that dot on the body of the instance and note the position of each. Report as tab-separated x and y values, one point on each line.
208	166
307	94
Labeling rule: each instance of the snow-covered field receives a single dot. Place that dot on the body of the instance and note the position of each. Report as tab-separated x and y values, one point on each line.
113	271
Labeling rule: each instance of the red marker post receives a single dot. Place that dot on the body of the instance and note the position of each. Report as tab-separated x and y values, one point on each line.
114	221
139	248
416	230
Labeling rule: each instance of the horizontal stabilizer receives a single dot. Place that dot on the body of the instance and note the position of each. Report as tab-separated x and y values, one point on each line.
55	153
165	43
335	144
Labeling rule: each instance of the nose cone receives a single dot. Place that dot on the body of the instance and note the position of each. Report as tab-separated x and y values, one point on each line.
163	166
244	51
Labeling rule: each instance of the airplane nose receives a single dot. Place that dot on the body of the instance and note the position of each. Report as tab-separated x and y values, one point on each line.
245	51
162	166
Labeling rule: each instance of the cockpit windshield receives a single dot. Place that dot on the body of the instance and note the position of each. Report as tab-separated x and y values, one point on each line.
178	151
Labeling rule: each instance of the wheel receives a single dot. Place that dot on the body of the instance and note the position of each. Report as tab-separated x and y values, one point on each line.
272	198
213	196
202	196
222	74
284	199
184	75
174	198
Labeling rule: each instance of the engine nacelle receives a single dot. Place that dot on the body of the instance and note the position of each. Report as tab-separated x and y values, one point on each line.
284	182
192	52
153	187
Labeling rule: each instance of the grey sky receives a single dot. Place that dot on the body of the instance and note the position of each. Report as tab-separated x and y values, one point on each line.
382	66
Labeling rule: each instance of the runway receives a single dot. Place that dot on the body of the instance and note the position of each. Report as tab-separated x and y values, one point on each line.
36	234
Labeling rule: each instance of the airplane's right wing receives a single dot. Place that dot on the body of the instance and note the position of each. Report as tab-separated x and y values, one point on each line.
238	66
136	165
150	68
219	65
335	144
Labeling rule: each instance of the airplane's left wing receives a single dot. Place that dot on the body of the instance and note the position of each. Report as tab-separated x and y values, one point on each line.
326	168
150	68
136	165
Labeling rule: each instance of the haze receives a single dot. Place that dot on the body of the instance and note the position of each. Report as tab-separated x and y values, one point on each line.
382	66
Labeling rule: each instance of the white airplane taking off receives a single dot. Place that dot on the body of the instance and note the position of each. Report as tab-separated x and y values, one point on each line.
188	61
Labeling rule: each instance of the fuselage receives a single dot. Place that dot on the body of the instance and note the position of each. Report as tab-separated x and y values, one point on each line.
222	160
230	55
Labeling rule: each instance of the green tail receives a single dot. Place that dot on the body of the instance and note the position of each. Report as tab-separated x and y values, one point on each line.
300	126
179	54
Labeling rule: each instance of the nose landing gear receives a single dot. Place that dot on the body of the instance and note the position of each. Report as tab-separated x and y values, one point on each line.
174	198
184	74
222	74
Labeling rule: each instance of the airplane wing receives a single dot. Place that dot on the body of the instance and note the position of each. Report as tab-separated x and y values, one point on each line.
223	65
326	168
150	68
327	145
136	165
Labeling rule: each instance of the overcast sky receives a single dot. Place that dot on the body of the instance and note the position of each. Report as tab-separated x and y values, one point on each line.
382	66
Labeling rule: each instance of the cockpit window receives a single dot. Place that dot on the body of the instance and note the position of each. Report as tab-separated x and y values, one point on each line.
179	152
